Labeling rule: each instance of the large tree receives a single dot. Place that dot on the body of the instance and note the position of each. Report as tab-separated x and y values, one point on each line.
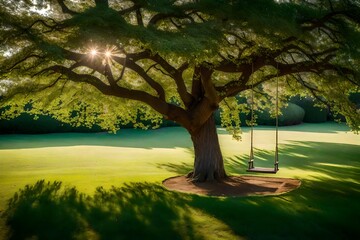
111	62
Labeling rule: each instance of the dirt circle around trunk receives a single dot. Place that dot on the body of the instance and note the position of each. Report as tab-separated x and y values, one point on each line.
234	186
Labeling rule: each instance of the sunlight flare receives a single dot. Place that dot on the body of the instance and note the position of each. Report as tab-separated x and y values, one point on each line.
108	54
93	52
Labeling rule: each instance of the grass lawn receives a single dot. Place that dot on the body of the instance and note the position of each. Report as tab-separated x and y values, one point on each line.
326	157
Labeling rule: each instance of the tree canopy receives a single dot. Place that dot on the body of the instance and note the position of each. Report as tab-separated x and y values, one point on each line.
107	62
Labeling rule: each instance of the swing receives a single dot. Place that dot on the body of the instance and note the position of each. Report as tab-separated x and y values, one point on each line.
251	167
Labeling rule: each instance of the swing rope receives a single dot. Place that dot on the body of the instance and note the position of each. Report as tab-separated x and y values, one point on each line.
251	167
276	163
251	159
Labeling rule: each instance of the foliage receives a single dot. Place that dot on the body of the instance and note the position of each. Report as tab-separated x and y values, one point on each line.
101	63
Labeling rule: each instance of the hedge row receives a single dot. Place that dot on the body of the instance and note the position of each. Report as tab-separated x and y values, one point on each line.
313	114
25	123
291	115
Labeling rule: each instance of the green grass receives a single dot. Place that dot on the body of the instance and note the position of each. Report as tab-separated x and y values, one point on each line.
326	157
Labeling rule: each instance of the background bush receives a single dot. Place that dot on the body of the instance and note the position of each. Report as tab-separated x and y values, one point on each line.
25	123
291	115
313	114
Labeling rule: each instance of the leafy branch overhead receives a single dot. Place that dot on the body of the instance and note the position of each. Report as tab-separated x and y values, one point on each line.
177	59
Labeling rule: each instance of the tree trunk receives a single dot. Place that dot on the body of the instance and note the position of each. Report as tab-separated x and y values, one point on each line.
208	164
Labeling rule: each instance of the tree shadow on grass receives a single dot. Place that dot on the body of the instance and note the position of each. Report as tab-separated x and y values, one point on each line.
233	165
311	212
136	211
41	211
324	207
337	161
332	160
179	168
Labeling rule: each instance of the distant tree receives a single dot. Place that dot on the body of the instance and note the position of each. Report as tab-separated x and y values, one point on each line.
107	62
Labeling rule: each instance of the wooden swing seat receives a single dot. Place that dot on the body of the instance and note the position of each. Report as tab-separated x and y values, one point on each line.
251	168
262	170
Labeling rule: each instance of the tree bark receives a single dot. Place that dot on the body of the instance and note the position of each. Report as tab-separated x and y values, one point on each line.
208	164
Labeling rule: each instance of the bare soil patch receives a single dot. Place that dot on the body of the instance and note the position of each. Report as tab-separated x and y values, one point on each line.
234	186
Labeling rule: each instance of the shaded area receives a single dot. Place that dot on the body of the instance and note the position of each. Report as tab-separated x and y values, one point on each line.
334	160
146	211
181	168
324	207
315	211
319	160
133	138
25	123
41	211
234	186
46	210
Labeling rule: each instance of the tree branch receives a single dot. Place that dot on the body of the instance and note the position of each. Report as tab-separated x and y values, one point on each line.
109	75
311	89
210	91
23	60
95	65
172	112
139	17
177	76
65	9
161	16
232	88
174	73
122	71
128	10
196	88
141	72
84	78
